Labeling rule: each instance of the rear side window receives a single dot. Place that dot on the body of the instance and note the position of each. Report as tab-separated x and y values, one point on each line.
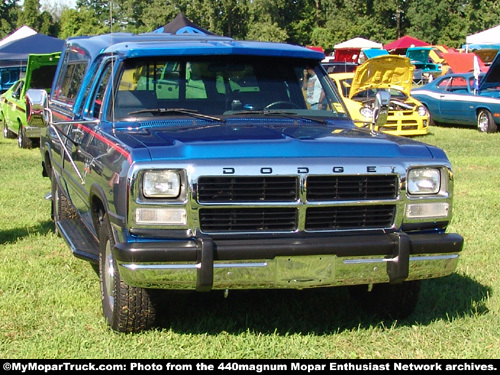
70	78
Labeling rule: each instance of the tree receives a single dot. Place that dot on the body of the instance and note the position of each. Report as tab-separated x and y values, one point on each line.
8	16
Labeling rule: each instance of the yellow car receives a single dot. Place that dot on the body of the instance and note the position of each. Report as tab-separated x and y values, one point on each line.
407	116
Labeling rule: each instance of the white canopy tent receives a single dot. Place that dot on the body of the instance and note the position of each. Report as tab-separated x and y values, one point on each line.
358	42
489	36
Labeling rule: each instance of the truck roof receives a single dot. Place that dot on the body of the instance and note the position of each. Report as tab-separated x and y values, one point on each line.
153	44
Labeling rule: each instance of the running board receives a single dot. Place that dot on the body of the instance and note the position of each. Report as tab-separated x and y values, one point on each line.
82	243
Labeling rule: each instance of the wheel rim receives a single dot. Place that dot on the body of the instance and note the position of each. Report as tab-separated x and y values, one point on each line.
482	122
109	276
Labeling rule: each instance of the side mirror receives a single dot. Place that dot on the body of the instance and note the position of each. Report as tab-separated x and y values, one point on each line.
37	108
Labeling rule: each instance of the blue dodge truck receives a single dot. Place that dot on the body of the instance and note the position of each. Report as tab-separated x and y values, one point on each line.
188	162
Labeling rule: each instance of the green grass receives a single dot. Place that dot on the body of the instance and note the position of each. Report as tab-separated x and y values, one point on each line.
50	305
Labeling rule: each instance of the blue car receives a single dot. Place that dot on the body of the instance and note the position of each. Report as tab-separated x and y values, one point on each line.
459	99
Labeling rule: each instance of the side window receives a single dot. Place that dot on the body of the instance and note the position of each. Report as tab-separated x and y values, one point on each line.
443	84
70	78
16	92
96	104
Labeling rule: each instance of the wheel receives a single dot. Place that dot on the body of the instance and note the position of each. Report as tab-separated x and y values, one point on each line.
485	122
22	140
395	301
6	132
61	207
283	104
431	119
126	308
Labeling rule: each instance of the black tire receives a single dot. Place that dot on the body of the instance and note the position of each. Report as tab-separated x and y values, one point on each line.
395	301
431	119
126	308
7	133
61	207
485	122
22	140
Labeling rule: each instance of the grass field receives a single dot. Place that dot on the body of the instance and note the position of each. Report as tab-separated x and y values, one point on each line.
50	305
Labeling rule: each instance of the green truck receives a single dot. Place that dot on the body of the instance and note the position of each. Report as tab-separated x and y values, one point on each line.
40	72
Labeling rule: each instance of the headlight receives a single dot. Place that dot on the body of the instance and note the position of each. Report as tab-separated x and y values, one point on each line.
161	184
366	112
424	181
422	111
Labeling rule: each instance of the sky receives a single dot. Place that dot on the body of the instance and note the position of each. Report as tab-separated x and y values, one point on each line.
70	3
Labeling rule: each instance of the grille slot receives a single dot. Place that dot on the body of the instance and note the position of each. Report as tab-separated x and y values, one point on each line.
350	217
335	188
247	189
248	219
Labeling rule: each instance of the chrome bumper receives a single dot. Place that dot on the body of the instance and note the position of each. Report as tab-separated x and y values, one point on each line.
33	131
291	264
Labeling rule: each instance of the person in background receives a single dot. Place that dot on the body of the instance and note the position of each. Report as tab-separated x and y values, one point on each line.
312	86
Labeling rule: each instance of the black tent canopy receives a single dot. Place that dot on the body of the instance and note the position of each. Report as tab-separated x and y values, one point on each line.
181	25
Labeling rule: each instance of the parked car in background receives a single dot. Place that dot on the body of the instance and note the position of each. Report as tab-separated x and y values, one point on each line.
407	116
40	72
462	99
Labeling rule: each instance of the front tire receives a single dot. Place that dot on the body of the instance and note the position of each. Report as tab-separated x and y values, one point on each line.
126	308
61	208
22	140
395	301
485	122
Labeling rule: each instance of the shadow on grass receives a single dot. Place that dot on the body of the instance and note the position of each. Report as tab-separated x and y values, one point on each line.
13	235
312	311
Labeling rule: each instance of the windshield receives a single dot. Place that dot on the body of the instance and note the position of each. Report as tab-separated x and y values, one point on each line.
224	86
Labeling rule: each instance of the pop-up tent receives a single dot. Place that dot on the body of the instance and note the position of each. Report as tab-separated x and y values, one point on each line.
20	49
350	50
20	33
358	42
181	25
489	36
399	46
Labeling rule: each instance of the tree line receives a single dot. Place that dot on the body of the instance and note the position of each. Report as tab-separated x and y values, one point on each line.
304	22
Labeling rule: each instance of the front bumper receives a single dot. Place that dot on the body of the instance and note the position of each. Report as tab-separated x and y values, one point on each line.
204	264
33	131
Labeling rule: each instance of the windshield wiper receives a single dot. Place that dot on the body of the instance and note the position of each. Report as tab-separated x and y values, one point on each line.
184	111
291	115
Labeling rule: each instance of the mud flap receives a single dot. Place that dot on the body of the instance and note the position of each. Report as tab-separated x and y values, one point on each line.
398	267
205	265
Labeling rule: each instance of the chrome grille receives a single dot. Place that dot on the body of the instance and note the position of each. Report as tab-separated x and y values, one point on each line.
283	204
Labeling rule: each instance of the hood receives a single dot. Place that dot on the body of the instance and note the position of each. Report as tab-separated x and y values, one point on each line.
383	72
277	140
492	77
418	54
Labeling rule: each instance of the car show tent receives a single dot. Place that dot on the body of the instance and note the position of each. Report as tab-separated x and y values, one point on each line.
358	42
15	48
399	46
20	33
182	25
489	36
